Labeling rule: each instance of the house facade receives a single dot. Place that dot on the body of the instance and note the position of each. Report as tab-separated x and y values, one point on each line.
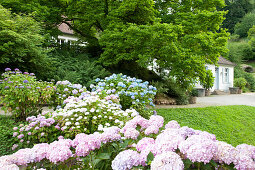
223	75
67	35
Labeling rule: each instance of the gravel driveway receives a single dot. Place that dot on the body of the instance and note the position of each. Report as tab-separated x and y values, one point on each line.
219	100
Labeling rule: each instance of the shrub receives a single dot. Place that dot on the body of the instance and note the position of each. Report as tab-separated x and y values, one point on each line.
88	114
240	82
23	94
239	51
64	89
6	140
246	23
250	81
177	92
133	93
42	128
75	66
141	144
248	77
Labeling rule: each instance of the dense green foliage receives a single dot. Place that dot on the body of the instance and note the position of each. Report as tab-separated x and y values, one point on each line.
240	82
141	31
6	140
172	89
20	44
76	66
232	124
208	81
248	76
236	11
246	23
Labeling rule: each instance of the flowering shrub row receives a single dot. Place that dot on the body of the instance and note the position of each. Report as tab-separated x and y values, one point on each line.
133	93
140	143
86	114
23	94
64	89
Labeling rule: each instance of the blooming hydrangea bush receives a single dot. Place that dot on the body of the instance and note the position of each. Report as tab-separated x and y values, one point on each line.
39	129
170	147
23	94
89	113
133	93
64	89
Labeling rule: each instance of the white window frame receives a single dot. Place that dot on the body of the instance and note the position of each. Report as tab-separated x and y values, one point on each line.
225	77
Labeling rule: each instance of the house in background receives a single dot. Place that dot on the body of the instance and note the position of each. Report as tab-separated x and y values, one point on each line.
67	35
223	75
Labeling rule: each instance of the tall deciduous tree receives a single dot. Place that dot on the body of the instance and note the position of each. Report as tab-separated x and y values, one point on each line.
178	35
20	42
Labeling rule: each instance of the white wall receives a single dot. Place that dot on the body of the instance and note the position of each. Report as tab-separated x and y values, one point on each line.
224	86
69	38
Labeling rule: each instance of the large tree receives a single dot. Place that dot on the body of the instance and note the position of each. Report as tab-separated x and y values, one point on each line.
20	43
180	36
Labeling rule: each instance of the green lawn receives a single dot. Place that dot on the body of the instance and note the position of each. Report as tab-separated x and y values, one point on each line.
232	124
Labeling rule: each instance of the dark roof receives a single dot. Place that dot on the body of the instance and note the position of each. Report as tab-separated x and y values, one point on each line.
64	28
225	61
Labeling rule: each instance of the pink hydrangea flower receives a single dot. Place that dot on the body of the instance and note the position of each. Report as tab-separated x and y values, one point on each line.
172	124
152	129
156	120
225	153
199	148
131	133
167	160
144	143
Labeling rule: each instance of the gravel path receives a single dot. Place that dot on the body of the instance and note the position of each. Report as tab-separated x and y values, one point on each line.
219	100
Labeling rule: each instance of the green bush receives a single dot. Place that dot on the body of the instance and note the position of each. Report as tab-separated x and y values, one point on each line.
75	66
250	81
246	23
239	51
177	92
23	94
248	76
6	140
240	82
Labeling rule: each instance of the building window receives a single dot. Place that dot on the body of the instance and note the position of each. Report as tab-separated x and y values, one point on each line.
226	75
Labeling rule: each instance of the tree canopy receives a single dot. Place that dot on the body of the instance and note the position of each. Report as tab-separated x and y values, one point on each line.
20	42
180	36
236	11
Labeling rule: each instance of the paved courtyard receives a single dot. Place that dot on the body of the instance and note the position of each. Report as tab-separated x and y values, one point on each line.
219	100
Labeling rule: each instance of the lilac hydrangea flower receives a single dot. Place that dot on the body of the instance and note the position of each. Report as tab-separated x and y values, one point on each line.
7	69
126	160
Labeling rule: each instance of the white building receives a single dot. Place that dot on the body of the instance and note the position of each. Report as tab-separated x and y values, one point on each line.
223	75
67	35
